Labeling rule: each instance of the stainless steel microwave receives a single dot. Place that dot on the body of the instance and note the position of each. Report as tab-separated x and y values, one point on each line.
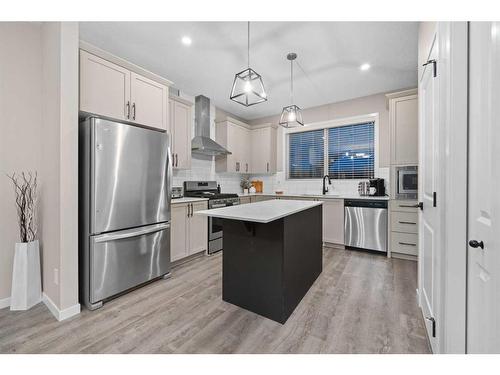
407	182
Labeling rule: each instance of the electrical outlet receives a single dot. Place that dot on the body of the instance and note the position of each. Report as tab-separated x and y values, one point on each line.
56	276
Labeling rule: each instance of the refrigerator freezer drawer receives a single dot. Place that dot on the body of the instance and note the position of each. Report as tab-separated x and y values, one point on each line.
124	259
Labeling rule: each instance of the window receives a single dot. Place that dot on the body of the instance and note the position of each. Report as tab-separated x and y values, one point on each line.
306	154
351	152
348	150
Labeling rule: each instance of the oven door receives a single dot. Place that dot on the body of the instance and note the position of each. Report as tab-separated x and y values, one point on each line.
407	182
214	228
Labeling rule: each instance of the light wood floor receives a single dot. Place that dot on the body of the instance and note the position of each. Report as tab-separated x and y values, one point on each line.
361	303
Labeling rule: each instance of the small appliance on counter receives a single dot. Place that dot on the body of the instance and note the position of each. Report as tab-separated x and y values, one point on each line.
364	188
176	192
377	187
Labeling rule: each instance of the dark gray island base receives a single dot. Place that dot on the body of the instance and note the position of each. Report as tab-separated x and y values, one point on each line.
269	267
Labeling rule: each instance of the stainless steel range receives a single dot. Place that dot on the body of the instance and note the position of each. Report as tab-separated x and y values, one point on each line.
210	190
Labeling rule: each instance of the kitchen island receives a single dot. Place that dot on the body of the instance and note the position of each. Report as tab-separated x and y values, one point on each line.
272	254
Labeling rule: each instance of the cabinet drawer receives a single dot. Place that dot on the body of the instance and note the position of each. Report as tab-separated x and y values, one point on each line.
403	205
404	222
404	243
244	200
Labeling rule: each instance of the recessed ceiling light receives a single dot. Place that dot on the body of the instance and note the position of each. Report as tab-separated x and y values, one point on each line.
365	67
186	40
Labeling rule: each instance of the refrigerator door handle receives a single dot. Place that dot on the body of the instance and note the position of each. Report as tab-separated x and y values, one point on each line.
131	233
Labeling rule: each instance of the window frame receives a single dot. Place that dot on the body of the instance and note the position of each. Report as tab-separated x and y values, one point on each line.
325	125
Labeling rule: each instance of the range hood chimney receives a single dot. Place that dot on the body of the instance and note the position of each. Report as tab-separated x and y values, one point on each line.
202	143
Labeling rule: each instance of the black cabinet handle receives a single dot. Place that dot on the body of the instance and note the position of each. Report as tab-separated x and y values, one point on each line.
407	244
133	111
407	222
475	244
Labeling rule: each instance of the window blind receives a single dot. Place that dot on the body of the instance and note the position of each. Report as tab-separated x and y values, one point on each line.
351	151
306	154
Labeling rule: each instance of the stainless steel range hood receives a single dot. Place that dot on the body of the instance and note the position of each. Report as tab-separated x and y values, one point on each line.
202	143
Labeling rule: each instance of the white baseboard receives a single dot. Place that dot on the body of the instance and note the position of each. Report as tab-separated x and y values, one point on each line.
60	314
4	302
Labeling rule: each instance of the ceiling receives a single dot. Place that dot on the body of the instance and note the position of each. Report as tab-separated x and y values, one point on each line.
329	58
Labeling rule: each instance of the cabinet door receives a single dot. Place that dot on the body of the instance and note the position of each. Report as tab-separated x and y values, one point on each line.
333	221
178	232
104	87
404	129
245	142
181	128
149	102
198	229
233	139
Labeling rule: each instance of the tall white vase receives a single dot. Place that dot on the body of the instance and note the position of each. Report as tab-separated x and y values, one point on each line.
26	276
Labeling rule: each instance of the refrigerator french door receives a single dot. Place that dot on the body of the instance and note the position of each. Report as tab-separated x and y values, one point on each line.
125	183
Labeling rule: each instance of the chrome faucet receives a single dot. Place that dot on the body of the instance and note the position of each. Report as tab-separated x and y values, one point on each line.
325	188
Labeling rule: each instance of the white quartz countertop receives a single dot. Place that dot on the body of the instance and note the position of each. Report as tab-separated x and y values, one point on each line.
187	200
315	196
260	212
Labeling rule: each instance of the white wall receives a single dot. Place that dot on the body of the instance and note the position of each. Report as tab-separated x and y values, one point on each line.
20	128
60	163
39	106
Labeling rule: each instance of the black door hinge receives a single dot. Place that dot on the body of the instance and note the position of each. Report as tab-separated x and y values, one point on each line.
434	67
433	321
434	201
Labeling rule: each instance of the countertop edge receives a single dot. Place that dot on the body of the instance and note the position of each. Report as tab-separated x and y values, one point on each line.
256	220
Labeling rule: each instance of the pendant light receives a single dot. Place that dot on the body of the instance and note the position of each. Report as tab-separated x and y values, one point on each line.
248	88
291	116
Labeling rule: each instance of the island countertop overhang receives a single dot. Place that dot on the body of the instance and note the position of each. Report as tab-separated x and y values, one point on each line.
261	212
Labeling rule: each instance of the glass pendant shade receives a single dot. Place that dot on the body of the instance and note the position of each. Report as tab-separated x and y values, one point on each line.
248	88
291	117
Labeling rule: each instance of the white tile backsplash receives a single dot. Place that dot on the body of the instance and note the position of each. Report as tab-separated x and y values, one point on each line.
279	182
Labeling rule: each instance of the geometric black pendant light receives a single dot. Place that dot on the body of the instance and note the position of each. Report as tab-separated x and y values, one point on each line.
291	116
248	88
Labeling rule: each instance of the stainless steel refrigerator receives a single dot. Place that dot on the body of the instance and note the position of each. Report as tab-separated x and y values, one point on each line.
125	183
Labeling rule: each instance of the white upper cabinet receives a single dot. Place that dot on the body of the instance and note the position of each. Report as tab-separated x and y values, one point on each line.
404	130
149	102
263	144
104	87
180	128
252	150
108	89
236	139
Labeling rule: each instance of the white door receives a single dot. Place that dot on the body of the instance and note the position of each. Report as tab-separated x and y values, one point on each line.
483	296
149	102
104	87
428	188
181	135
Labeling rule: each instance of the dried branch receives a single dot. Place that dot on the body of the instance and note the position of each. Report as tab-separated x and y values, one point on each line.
25	192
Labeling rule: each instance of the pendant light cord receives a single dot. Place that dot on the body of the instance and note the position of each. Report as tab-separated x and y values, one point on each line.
291	81
248	44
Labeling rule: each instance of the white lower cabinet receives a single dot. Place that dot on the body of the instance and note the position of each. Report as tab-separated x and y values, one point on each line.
189	232
403	228
333	221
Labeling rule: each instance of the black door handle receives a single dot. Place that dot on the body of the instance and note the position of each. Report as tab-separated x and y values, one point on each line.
475	244
420	205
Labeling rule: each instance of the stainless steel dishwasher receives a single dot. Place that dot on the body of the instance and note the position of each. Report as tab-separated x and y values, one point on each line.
365	224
